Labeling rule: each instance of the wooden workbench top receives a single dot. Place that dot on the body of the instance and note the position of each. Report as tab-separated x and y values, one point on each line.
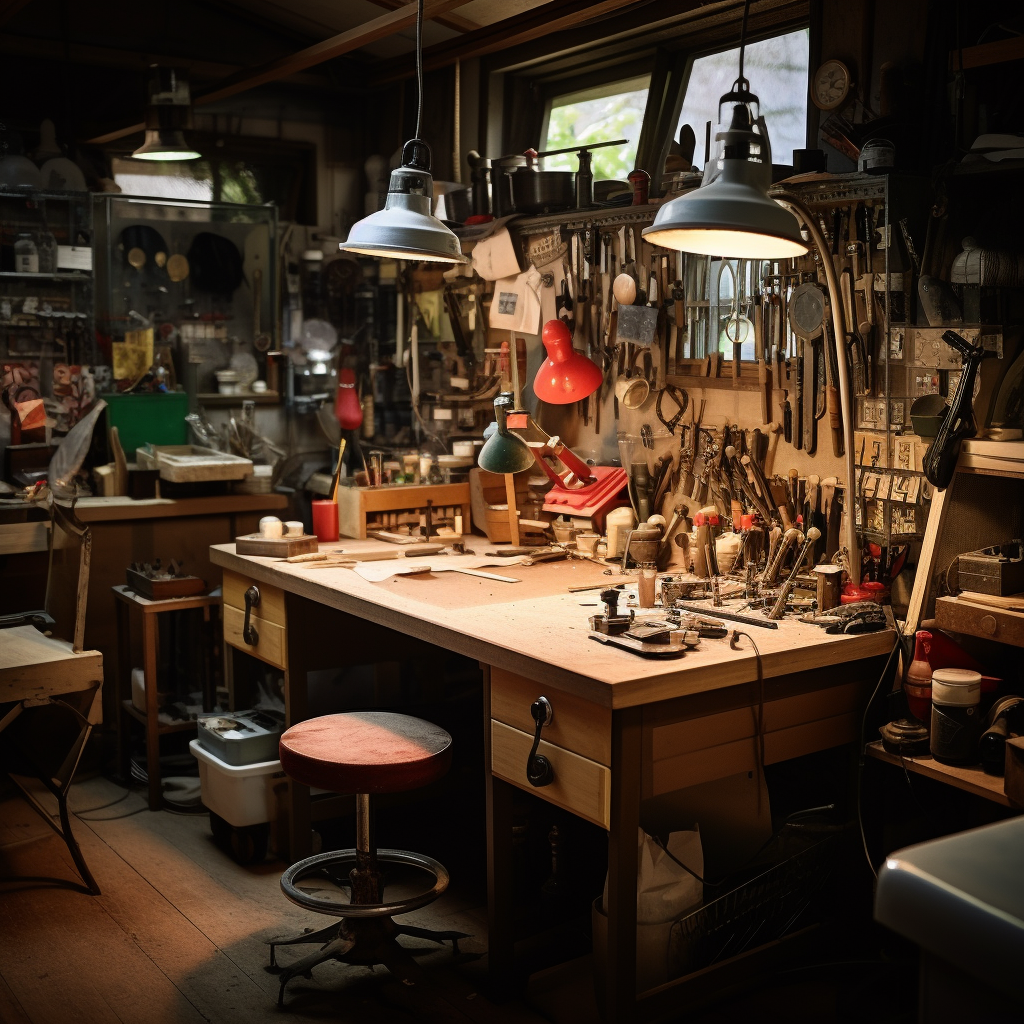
540	630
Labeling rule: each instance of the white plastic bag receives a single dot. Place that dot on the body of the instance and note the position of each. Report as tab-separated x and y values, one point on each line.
665	891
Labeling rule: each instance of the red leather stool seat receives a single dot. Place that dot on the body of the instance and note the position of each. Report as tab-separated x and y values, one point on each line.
366	752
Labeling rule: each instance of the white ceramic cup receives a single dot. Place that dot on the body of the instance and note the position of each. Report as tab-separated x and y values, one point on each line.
271	527
293	528
632	392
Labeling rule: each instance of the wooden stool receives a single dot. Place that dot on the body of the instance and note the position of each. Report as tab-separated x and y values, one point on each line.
362	752
127	602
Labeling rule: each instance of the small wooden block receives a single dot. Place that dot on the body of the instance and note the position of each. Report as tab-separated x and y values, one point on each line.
1013	780
275	547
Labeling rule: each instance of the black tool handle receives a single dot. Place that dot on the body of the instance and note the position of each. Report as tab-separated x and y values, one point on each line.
252	600
539	771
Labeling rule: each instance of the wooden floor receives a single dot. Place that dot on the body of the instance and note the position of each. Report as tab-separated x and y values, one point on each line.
178	934
178	937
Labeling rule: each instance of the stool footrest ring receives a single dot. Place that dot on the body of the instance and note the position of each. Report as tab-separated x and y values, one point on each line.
303	868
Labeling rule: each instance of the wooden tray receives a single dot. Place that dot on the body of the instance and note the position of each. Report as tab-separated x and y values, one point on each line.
190	463
276	547
159	590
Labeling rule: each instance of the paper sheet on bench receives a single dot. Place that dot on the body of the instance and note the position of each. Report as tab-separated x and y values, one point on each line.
377	572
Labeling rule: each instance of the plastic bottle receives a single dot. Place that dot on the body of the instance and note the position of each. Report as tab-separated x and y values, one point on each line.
918	686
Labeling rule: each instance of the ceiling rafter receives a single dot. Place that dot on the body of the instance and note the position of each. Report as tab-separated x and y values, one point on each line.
452	21
555	16
248	78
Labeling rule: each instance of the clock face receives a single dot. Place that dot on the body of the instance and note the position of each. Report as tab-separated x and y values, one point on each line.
831	85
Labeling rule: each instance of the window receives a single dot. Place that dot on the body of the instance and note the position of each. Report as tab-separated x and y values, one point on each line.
603	114
777	71
171	180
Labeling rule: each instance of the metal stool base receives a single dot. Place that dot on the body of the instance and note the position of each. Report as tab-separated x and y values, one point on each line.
366	934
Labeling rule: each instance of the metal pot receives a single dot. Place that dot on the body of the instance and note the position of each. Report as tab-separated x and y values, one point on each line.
536	191
501	183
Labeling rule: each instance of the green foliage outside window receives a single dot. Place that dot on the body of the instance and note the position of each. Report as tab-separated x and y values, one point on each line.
597	120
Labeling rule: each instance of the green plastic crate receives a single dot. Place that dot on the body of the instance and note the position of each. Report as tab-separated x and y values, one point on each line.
154	418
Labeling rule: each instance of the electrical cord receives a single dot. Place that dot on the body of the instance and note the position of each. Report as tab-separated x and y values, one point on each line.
419	64
863	747
743	40
734	640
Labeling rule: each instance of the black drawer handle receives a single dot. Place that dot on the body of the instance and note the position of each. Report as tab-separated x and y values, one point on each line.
252	600
539	770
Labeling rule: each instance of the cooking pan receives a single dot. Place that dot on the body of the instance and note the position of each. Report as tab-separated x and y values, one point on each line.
536	191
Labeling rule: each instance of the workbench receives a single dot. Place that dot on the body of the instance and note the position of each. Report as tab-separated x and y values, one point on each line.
624	728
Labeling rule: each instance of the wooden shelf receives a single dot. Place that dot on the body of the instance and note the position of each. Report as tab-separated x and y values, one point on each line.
982	620
56	275
213	398
969	778
162	727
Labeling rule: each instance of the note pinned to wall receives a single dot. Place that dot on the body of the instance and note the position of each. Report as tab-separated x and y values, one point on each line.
134	356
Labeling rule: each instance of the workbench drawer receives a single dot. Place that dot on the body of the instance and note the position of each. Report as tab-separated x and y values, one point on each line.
576	724
579	785
267	618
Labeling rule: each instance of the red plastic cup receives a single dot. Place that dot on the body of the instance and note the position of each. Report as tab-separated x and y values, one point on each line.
325	521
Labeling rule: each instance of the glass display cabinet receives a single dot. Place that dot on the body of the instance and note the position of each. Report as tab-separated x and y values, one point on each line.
194	283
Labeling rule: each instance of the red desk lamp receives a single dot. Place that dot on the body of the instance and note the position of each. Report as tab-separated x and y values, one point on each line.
566	376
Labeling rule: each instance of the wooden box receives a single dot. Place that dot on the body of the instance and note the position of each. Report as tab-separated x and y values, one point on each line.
359	505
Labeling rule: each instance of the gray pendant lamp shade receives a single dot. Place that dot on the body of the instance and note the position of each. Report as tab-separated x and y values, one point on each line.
504	451
405	229
168	117
731	214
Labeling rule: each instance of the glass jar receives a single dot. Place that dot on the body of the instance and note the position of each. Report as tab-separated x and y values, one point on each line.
46	245
26	255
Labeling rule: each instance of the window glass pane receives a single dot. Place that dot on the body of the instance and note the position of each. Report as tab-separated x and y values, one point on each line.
777	71
170	180
598	115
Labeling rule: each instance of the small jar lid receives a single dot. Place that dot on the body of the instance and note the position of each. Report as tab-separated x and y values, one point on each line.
956	676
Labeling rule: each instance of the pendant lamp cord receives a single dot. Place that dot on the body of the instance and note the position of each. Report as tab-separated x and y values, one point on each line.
419	63
743	41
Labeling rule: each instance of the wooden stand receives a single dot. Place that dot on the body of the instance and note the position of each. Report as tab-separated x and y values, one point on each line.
126	601
357	505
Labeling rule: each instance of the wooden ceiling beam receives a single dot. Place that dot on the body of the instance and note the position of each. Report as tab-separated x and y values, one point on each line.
453	21
9	8
37	48
248	78
555	16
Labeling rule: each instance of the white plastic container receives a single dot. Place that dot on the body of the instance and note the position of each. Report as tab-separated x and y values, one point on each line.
241	795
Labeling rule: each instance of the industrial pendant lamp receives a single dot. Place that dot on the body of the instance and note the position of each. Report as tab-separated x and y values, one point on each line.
168	117
405	229
504	452
731	214
566	375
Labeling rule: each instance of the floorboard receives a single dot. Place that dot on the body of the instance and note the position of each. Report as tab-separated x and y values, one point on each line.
178	934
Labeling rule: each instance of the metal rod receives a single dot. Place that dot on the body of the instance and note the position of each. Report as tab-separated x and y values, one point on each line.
718	613
364	838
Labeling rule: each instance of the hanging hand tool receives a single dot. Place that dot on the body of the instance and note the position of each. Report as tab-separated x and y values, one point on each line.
779	608
809	430
832	516
681	399
797	397
774	431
